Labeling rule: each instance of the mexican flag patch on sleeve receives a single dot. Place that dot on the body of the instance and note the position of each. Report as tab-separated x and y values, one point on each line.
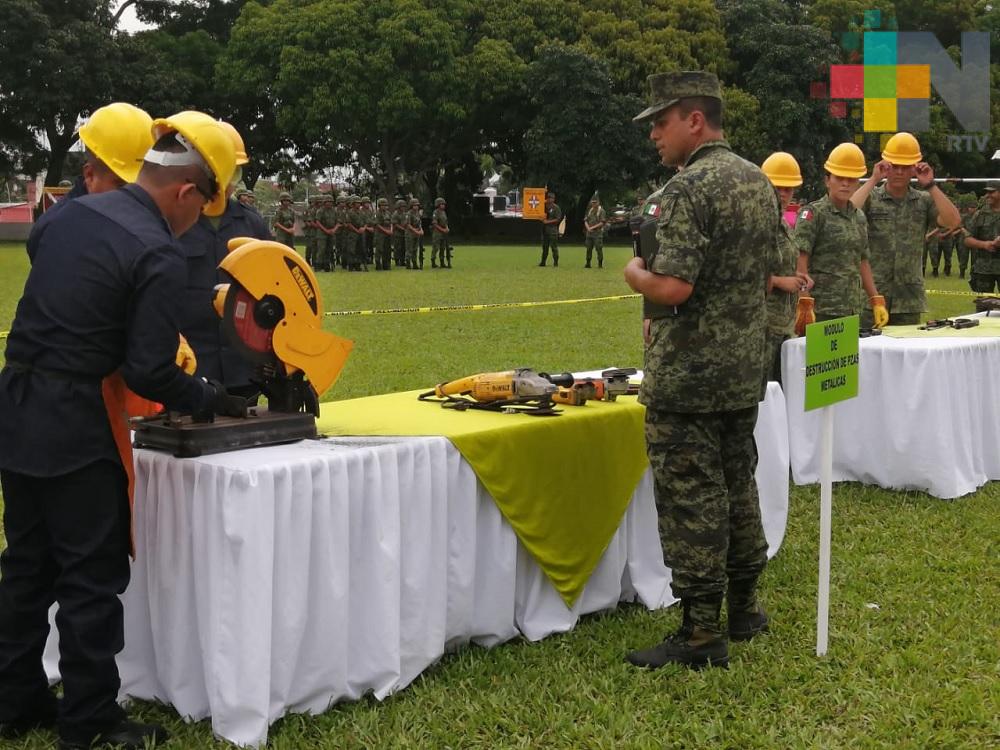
652	208
806	214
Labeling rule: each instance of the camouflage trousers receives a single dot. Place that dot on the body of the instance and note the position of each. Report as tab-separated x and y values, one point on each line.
595	243
383	254
412	246
399	248
772	355
439	249
706	498
550	241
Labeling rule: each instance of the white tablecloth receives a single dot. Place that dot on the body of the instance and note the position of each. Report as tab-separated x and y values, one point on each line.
927	416
289	578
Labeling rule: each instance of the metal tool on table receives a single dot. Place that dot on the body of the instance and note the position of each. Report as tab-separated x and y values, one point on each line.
272	313
609	386
522	391
956	323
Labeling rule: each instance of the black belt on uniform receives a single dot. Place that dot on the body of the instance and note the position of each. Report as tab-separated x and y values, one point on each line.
70	377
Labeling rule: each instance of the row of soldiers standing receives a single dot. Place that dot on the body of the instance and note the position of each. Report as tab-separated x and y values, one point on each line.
348	232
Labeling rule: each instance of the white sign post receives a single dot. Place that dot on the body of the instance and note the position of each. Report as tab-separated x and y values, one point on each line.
831	376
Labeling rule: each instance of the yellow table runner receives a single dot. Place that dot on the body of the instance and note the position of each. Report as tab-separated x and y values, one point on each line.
987	327
562	483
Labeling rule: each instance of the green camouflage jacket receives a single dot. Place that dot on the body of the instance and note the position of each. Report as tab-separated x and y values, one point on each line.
985	225
596	216
717	229
896	230
781	305
836	241
440	218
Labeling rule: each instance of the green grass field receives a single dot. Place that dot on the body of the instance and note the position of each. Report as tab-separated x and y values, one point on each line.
914	660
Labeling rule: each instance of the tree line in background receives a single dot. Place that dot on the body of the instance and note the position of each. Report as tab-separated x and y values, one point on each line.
417	96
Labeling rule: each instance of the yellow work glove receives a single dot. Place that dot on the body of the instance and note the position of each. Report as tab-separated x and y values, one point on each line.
185	358
879	311
805	313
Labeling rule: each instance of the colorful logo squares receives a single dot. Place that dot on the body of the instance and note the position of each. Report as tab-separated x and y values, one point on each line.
880	81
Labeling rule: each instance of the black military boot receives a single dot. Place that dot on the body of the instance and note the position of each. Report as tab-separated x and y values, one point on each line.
44	716
691	646
746	617
125	735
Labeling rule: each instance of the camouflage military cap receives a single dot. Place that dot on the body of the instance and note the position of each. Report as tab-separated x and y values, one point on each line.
313	198
328	198
383	201
365	199
284	197
666	89
342	198
400	203
992	185
440	202
352	198
414	201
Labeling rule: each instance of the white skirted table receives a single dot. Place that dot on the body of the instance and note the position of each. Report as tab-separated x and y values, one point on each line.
927	416
289	578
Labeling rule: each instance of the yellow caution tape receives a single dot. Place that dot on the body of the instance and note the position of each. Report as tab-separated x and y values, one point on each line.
3	334
483	306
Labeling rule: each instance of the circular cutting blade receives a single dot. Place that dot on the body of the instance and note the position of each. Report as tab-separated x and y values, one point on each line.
245	334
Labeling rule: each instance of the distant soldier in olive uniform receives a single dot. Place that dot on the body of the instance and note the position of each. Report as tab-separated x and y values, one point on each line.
326	220
703	284
383	236
399	219
439	223
369	224
831	235
984	241
355	251
550	229
899	219
967	207
414	231
342	233
783	171
284	221
309	230
594	224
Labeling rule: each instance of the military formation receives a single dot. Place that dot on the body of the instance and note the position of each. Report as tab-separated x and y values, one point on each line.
349	233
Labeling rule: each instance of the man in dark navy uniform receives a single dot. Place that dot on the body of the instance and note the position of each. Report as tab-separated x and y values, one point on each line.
205	245
101	298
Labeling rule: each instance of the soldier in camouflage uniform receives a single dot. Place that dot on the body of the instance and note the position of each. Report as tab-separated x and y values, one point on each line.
383	236
399	219
284	221
356	236
783	171
899	219
704	292
984	241
413	232
326	221
439	223
594	224
550	229
831	236
967	206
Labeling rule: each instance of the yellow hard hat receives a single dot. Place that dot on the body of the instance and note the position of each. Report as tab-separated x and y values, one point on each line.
902	149
241	150
782	170
846	160
206	137
119	134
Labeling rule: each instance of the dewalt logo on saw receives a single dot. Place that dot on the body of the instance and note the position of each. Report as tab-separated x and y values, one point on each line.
300	278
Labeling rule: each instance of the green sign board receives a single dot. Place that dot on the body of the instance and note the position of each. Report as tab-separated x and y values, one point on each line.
831	361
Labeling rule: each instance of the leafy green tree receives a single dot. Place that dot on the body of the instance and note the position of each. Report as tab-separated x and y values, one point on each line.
582	138
58	62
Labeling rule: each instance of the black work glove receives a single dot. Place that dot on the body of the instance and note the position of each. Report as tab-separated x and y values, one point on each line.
222	403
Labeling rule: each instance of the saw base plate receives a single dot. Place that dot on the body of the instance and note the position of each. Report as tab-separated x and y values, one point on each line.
187	439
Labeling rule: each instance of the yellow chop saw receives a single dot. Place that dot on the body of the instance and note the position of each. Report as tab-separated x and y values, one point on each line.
272	313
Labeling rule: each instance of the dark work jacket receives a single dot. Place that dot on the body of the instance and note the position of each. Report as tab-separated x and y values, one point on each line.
102	295
204	248
79	190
